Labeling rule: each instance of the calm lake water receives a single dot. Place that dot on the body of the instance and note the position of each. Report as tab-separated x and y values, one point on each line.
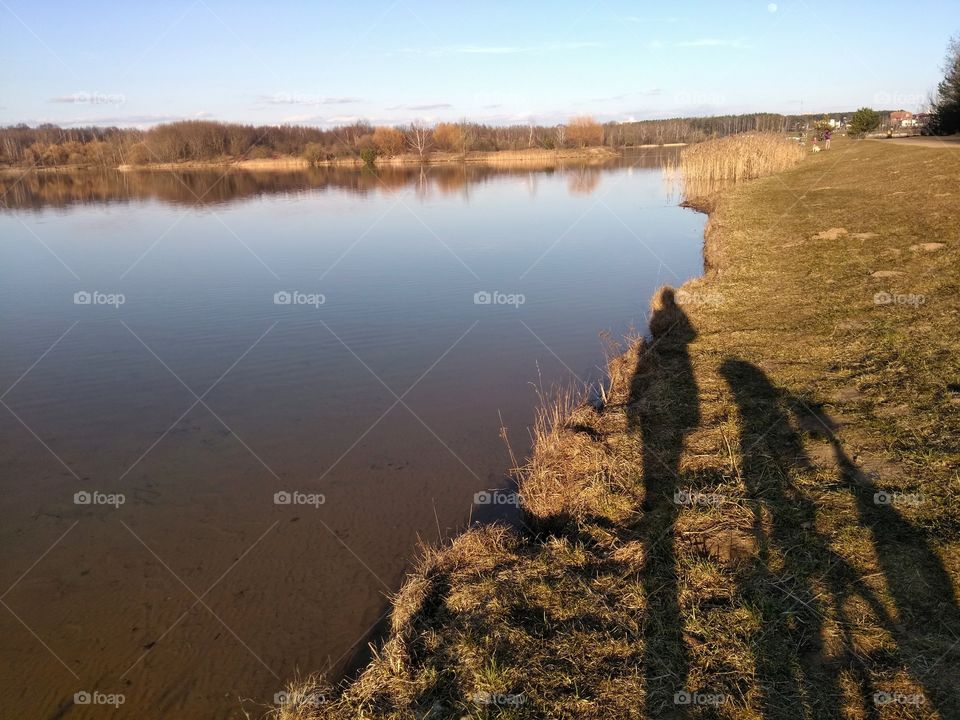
334	335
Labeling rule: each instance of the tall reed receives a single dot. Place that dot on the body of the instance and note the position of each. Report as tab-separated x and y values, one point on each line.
706	167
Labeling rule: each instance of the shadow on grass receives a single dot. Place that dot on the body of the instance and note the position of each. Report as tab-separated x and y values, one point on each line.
662	424
795	668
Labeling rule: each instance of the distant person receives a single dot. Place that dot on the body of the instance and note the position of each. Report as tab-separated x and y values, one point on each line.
827	134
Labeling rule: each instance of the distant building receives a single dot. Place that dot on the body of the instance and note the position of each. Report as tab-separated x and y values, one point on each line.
901	118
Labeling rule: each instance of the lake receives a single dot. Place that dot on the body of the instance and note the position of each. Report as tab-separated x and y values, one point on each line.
232	404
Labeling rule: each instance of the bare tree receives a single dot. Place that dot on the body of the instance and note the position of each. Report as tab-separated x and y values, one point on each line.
418	138
560	132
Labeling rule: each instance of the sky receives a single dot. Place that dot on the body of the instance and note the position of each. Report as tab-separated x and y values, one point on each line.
135	64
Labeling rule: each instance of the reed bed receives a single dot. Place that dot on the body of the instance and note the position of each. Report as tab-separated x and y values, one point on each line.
500	158
707	167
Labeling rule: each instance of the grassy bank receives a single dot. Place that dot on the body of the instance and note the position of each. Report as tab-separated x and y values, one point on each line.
761	521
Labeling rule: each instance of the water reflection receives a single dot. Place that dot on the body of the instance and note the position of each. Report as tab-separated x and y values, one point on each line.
583	181
35	190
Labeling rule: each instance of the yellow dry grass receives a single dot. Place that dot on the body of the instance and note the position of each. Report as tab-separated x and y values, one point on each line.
709	166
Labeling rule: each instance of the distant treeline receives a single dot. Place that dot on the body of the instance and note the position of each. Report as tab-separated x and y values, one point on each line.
200	140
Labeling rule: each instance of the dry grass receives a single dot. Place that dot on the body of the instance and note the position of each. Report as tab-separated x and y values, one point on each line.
707	167
713	527
278	163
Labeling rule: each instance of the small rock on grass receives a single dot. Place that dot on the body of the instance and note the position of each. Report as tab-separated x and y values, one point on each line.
822	456
832	234
847	394
893	410
731	546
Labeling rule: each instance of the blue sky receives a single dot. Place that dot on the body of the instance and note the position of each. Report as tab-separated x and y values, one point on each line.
393	61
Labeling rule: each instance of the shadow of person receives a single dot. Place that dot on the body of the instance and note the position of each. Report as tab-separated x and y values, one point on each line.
664	407
788	652
790	656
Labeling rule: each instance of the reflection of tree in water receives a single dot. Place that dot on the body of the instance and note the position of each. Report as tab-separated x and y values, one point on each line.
583	180
454	182
35	190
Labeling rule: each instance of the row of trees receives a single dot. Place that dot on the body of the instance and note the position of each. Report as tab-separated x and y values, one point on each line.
49	145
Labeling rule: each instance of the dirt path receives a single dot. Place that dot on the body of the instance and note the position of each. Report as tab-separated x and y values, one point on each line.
950	141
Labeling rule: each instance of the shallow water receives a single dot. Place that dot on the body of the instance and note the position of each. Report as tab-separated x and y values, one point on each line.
201	395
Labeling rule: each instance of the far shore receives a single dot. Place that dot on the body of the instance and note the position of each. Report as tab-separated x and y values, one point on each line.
502	158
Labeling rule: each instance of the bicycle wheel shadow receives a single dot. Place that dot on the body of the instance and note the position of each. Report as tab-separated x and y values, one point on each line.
809	635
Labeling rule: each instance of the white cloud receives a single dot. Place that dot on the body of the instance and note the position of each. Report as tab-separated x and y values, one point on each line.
652	92
429	106
304	99
321	120
138	121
